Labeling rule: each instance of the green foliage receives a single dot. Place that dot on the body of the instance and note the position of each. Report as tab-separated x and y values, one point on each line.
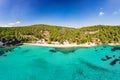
97	34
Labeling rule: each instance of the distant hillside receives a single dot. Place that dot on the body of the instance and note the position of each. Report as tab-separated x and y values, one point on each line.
98	34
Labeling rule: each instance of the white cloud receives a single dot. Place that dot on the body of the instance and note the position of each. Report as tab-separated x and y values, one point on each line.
11	24
4	26
101	13
17	23
14	24
116	12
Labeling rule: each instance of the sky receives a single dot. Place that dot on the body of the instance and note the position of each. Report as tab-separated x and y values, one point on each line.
72	13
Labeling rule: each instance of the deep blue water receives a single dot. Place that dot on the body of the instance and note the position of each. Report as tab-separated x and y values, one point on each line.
42	63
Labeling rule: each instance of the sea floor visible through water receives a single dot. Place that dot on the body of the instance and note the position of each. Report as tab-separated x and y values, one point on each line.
45	63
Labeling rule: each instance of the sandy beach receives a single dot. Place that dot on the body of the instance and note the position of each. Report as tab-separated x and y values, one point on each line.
62	45
114	44
68	45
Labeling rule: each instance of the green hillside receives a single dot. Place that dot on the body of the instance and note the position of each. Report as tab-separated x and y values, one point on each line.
98	34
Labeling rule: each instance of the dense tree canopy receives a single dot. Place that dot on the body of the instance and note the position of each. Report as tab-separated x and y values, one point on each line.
98	34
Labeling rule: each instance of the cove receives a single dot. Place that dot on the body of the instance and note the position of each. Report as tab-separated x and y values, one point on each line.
46	63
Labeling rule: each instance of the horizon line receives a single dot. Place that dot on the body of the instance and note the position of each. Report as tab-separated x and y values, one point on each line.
62	25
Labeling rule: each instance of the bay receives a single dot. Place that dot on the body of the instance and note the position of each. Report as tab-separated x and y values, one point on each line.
45	63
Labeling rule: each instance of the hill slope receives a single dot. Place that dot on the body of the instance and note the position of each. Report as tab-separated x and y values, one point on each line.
98	34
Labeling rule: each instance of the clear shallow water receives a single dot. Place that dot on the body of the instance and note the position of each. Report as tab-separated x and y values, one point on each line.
41	63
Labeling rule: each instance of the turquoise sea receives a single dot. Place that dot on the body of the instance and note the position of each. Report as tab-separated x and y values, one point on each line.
42	63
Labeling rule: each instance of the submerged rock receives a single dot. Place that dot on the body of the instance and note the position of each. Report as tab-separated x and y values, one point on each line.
1	53
103	59
96	50
5	55
113	55
25	51
104	46
6	51
115	48
52	50
107	57
10	50
67	50
114	62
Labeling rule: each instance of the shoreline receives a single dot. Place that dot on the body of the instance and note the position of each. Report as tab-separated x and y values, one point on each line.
86	45
61	45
